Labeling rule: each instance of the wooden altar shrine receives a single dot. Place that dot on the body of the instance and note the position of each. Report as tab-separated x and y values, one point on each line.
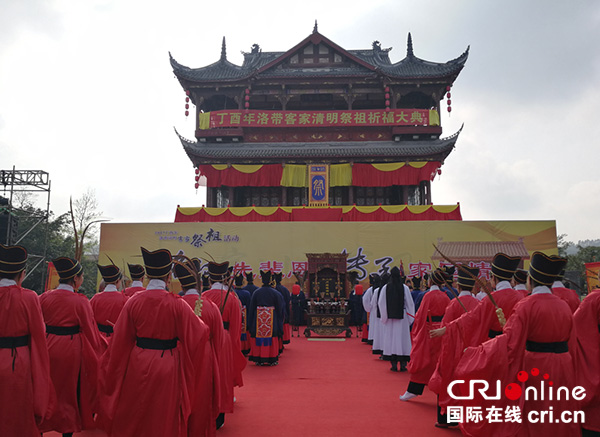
328	289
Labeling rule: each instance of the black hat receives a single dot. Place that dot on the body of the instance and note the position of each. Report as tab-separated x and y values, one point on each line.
185	272
136	271
438	276
13	259
466	277
239	280
449	271
352	277
218	271
249	277
374	279
561	274
197	264
416	281
520	276
67	268
265	276
278	277
205	283
504	266
545	269
158	263
110	273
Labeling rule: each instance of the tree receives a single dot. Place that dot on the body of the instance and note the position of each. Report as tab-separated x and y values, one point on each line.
576	262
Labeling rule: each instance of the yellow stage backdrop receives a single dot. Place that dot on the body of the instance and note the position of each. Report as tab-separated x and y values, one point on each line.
281	246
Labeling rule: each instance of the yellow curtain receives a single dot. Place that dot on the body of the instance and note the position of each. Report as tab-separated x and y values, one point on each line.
392	166
340	175
204	120
434	118
247	168
294	176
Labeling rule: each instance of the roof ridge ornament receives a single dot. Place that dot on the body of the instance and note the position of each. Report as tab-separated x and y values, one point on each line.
316	28
409	47
223	51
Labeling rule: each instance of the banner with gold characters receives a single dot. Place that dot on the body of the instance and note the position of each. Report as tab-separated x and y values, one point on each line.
591	273
318	177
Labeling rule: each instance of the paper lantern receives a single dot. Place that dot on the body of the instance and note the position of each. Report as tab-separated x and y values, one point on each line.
197	170
187	113
196	185
448	95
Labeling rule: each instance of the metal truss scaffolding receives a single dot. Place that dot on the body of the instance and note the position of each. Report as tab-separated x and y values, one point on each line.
25	181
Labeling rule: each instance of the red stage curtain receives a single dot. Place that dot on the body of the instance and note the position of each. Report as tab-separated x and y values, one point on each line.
267	176
365	175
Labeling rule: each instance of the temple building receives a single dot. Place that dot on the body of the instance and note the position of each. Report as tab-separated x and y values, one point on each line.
319	125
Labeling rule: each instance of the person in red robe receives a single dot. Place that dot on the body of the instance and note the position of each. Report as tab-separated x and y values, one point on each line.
25	386
519	281
444	372
206	404
229	305
137	273
74	346
534	354
108	304
569	296
587	326
426	350
150	371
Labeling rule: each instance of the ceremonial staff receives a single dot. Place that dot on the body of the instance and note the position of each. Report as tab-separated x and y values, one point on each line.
195	274
482	285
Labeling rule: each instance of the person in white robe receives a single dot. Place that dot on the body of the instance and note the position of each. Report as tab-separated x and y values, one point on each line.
397	315
376	316
367	301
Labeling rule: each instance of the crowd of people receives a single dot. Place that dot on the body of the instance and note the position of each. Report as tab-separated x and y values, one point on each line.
520	328
136	360
141	360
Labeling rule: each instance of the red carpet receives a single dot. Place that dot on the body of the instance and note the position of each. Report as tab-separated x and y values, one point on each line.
327	388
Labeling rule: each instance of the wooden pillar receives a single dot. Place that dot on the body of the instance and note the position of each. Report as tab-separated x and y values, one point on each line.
283	196
210	197
351	195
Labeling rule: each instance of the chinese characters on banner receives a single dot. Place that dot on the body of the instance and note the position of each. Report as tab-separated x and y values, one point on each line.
318	177
257	118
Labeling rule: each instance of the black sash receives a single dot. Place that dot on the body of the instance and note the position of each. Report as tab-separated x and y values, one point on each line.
436	319
107	329
226	325
14	342
156	344
62	330
559	347
493	334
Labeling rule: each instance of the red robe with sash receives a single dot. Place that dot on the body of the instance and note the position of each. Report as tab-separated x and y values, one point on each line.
130	291
587	326
541	318
73	360
206	404
149	392
566	294
426	350
234	360
25	386
107	306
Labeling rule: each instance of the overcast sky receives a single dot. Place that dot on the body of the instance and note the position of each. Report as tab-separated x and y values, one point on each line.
88	95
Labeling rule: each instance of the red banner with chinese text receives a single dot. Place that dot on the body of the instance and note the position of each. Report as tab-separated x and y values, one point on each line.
257	118
591	274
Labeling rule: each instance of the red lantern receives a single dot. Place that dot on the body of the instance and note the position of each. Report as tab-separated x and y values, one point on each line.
187	99
247	90
187	93
387	103
448	88
387	89
449	109
387	96
187	106
449	102
197	178
247	98
387	109
448	95
246	105
187	113
197	170
196	185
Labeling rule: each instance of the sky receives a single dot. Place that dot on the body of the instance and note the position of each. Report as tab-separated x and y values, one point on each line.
87	94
